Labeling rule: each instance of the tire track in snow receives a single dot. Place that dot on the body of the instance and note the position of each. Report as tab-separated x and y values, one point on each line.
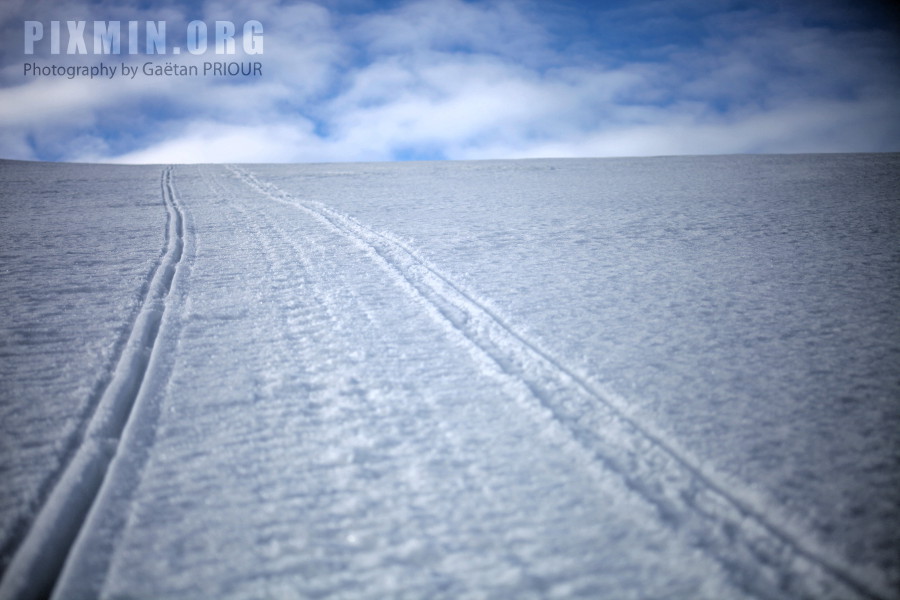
759	554
41	556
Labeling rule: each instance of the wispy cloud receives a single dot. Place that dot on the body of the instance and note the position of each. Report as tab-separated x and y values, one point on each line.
455	79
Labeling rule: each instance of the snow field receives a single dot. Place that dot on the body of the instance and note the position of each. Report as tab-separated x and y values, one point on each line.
498	379
70	286
762	555
39	558
391	475
741	307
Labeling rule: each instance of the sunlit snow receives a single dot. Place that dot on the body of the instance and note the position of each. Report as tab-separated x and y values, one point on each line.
610	378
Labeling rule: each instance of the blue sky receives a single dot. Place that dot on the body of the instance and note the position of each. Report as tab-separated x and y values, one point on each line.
357	80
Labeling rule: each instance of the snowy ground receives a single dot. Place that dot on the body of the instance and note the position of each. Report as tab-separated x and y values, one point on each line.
632	378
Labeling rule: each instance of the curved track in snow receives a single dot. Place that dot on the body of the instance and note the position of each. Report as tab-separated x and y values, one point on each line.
758	554
40	557
304	405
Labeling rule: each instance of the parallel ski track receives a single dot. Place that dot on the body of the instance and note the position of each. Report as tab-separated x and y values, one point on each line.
40	558
758	554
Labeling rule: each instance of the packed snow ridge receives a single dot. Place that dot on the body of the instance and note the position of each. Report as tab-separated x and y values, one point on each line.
609	378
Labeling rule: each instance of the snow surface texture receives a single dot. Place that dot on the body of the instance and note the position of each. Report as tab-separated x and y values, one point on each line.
632	378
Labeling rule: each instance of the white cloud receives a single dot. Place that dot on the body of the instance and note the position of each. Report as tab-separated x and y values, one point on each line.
471	80
206	141
808	127
497	28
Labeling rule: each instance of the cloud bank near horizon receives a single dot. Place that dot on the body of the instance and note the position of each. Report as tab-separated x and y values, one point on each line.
454	79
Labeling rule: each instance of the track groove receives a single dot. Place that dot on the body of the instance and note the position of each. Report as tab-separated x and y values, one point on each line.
760	555
39	559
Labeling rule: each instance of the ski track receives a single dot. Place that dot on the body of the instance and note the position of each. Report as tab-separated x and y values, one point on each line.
73	439
40	557
758	554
